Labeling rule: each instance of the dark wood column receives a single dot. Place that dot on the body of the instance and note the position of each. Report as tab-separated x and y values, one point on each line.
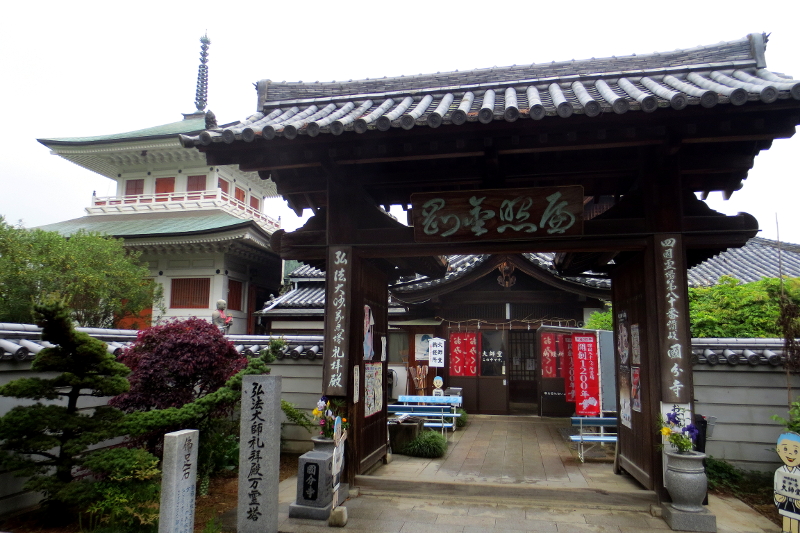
353	282
651	320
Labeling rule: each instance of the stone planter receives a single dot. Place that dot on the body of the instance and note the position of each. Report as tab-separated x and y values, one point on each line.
686	480
323	444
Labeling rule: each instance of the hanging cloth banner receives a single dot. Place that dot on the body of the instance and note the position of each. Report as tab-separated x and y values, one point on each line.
464	349
587	376
561	364
569	370
548	351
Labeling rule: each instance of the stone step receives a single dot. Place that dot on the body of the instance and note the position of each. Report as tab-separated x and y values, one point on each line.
520	494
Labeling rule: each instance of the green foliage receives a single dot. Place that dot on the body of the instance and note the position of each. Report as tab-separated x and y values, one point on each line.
722	476
462	420
429	444
731	309
125	495
752	486
793	422
213	526
296	416
601	320
219	447
47	441
270	354
94	275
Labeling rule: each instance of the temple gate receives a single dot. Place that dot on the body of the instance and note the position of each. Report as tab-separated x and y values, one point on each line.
600	161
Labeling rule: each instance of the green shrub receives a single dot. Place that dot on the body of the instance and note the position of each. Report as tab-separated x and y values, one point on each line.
213	526
463	419
124	496
722	476
429	444
752	486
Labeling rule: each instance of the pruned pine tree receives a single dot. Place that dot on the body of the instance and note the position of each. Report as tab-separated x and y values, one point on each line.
48	441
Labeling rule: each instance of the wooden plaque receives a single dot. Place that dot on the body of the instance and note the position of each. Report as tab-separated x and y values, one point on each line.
498	214
338	285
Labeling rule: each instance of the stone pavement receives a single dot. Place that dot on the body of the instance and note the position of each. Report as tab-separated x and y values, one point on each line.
507	474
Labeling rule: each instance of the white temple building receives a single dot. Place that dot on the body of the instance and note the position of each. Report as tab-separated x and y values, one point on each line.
201	229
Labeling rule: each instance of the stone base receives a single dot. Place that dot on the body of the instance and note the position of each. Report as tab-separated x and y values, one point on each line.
338	517
318	513
682	521
312	513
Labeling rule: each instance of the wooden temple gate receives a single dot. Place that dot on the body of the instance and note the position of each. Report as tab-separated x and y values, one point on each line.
455	147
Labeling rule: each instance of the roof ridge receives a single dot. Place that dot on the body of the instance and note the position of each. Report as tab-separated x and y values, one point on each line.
356	86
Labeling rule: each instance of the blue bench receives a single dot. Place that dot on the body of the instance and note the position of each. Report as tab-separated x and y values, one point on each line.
593	431
437	411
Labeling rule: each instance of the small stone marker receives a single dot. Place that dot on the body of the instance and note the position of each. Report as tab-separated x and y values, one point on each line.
319	491
259	455
176	514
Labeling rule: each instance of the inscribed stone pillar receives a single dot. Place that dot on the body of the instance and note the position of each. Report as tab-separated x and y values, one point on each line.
179	475
259	454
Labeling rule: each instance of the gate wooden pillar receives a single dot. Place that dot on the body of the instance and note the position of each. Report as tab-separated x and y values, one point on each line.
352	283
651	322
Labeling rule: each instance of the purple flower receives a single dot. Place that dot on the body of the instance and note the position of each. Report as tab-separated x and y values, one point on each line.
673	418
692	430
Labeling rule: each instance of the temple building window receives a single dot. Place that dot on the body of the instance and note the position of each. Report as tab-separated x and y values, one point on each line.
196	183
235	293
190	293
134	187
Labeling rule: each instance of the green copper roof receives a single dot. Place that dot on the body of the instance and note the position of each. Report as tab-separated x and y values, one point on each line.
195	124
148	224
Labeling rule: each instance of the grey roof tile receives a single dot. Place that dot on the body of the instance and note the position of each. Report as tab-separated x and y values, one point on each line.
389	103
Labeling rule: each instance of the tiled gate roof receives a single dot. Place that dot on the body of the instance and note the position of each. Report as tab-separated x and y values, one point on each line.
728	73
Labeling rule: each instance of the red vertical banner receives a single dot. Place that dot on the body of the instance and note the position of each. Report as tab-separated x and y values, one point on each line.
569	369
548	351
587	378
560	350
464	349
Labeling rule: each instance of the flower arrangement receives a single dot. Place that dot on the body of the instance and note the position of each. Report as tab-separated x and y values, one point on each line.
326	412
682	437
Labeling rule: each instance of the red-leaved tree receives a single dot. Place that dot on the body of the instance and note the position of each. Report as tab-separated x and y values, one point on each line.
174	364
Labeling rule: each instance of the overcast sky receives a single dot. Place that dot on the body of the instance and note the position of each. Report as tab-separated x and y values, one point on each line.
81	68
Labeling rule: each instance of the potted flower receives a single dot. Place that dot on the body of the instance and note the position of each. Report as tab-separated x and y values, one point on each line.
685	476
325	414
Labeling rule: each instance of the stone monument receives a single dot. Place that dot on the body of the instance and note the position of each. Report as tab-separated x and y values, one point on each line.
179	475
259	455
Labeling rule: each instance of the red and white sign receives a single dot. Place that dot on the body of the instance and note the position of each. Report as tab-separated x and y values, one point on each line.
569	370
548	351
587	376
464	349
561	351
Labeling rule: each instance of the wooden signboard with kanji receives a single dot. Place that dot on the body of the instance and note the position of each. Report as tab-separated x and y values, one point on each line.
498	214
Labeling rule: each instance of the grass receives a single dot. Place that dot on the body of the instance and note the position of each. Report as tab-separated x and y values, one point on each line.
430	444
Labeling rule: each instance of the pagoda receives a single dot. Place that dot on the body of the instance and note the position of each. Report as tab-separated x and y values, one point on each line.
201	229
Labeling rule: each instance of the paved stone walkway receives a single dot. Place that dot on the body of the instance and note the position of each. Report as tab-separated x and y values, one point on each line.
507	474
518	450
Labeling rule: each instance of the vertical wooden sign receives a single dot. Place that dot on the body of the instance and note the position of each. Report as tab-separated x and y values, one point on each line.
337	320
673	317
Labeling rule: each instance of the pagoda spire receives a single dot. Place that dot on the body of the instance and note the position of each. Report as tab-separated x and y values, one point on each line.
201	96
